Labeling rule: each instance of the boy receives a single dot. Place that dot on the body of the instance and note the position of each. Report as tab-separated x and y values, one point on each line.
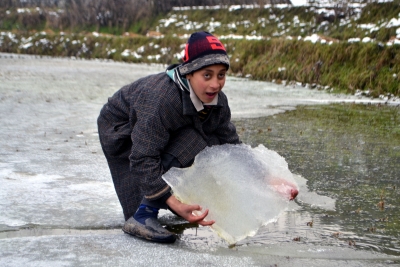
163	121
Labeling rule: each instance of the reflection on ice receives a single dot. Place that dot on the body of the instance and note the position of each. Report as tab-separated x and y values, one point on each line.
243	187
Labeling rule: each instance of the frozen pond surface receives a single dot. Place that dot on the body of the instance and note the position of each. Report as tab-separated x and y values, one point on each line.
57	202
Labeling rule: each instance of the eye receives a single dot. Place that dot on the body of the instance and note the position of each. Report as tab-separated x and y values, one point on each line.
207	75
221	75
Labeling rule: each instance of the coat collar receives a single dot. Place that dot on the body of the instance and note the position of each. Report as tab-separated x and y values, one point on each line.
191	103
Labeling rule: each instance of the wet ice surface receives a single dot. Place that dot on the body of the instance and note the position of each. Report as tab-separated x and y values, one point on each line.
121	250
57	201
235	183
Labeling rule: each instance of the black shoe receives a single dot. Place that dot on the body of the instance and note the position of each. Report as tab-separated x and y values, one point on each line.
151	230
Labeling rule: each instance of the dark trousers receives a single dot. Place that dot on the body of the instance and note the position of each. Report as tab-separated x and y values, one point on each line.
129	193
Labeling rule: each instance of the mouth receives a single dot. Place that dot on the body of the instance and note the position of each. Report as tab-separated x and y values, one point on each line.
211	94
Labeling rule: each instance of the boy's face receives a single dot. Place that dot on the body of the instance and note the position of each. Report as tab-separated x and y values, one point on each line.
207	82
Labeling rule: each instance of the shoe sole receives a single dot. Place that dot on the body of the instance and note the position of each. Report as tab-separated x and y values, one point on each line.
167	240
143	232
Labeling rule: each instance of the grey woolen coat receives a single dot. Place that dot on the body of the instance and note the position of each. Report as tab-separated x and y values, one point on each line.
148	118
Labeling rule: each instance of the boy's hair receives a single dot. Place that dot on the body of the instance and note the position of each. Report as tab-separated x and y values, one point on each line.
203	49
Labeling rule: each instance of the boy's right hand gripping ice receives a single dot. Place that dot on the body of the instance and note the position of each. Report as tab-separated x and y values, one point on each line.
191	213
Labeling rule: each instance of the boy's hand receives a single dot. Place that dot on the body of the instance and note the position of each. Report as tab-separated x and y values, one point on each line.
187	212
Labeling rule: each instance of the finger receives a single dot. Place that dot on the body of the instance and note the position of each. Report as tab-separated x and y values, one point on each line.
206	223
293	193
201	216
195	207
198	218
196	210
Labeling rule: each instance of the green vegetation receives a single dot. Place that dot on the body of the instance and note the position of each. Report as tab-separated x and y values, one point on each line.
349	152
342	65
283	56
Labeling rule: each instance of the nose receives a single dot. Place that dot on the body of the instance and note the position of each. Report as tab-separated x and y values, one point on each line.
215	84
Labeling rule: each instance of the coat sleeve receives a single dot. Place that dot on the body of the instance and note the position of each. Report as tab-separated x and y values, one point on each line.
149	138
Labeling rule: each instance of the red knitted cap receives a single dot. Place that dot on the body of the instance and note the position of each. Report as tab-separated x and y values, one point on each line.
203	49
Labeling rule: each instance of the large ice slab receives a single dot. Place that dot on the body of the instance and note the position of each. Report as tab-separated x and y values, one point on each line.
242	187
